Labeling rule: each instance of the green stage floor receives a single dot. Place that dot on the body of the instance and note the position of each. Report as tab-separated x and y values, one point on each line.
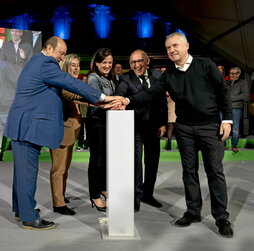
172	155
246	147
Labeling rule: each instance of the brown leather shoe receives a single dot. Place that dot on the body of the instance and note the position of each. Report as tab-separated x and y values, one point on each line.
235	149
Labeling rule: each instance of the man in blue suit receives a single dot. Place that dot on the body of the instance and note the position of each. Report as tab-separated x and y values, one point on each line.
35	119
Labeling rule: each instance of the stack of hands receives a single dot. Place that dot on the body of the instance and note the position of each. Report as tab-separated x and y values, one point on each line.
113	103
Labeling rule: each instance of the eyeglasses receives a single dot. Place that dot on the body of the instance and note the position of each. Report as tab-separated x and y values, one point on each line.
233	73
140	61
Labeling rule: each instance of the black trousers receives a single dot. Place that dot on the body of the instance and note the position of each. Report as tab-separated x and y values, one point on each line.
146	138
96	132
81	136
204	138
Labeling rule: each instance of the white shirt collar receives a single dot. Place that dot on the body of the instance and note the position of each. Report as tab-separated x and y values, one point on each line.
186	65
145	75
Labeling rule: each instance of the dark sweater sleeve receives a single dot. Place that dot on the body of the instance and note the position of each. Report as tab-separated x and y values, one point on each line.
222	90
150	94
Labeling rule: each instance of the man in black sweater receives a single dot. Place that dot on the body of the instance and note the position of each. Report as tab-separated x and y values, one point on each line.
199	92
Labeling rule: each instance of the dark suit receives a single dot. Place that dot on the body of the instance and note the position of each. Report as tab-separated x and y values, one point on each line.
37	45
148	118
36	119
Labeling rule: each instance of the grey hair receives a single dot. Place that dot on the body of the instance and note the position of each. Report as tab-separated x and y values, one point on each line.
238	70
181	35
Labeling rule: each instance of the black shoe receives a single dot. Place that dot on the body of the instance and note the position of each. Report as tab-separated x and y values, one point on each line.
79	149
235	149
187	219
225	228
101	209
39	224
136	206
63	210
17	214
151	201
66	200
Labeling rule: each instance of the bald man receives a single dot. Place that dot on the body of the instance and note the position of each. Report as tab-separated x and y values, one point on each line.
35	119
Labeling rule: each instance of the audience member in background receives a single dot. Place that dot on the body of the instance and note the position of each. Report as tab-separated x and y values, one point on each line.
171	116
35	119
37	40
221	69
239	92
1	42
162	69
100	78
14	54
150	125
118	69
61	156
171	120
82	138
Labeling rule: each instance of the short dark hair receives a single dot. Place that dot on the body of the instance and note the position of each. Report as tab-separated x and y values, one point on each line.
98	57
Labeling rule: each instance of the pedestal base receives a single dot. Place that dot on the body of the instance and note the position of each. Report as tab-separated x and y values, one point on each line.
105	236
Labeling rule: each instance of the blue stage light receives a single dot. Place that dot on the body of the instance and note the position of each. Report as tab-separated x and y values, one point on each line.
20	22
180	31
62	23
102	20
144	24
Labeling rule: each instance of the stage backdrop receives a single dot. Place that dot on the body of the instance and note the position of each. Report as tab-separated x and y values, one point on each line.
16	48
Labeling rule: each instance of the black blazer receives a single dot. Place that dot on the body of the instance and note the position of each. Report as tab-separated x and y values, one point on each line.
155	111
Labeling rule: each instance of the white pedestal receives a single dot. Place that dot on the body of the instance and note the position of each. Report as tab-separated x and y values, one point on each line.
120	176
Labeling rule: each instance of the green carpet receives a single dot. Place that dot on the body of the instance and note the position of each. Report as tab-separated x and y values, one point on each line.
242	155
245	153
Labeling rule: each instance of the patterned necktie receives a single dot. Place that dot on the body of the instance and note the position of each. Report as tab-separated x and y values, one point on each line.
144	82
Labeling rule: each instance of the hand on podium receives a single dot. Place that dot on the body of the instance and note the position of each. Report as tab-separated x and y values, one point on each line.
113	103
118	103
106	103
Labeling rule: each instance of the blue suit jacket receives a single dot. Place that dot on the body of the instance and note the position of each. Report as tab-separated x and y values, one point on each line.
36	113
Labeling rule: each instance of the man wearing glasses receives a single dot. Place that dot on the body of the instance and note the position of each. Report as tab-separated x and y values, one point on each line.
150	125
239	92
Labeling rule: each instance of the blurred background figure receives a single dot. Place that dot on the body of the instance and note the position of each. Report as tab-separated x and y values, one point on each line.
171	120
14	54
37	41
82	138
239	93
118	70
162	69
221	69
